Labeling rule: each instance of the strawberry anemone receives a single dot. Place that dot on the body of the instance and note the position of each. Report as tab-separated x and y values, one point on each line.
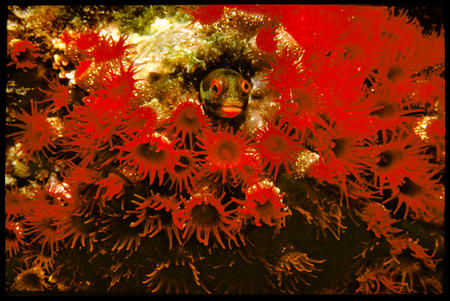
322	27
14	202
302	109
81	148
141	120
264	202
14	236
385	113
111	187
23	54
205	14
68	221
205	214
188	120
119	233
337	88
409	46
46	208
151	156
31	279
395	72
81	40
156	213
290	269
182	264
410	276
107	49
423	196
402	156
119	83
80	181
265	39
97	56
36	132
225	151
77	229
58	95
186	168
362	43
284	72
377	279
400	31
100	119
379	220
276	147
344	159
250	170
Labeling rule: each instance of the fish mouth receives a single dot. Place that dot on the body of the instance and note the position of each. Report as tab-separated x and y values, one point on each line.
230	111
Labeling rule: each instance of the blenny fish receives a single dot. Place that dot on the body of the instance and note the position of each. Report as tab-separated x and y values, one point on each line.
225	93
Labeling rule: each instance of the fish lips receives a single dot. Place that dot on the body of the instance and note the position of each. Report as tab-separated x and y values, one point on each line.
230	111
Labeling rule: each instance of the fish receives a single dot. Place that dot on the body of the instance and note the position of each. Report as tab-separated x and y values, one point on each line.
225	93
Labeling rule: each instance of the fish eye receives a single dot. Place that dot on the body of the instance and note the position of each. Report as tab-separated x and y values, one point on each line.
245	86
216	86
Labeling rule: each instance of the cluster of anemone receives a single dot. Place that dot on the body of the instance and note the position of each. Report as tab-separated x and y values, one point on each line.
396	274
124	173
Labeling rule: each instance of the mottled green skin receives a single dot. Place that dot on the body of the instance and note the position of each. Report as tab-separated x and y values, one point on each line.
232	94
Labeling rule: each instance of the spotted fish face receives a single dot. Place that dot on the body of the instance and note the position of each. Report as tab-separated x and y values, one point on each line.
225	93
